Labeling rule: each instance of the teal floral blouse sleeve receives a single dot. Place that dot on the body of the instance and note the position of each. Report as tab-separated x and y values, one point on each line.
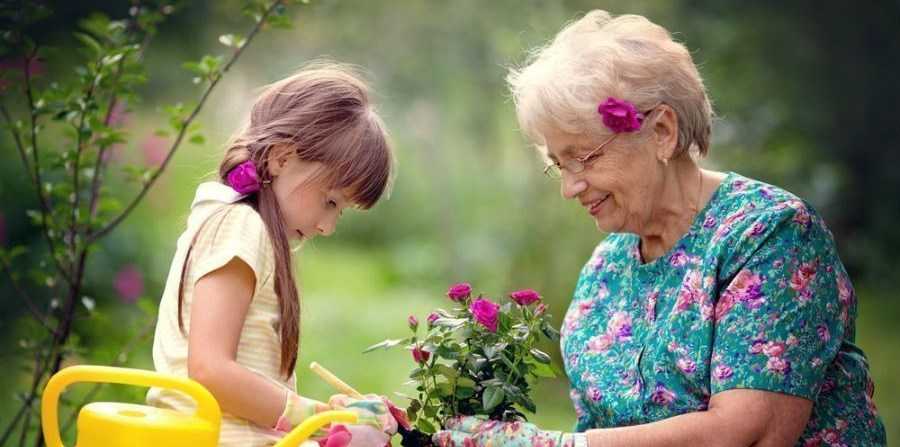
754	296
785	309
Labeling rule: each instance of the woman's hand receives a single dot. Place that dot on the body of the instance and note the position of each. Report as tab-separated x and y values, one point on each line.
477	432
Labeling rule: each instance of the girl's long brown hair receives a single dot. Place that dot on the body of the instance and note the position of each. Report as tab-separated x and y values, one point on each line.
320	114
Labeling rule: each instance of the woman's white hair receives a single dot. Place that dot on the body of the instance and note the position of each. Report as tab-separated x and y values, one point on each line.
598	56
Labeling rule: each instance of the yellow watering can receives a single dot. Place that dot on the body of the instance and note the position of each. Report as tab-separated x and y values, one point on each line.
114	424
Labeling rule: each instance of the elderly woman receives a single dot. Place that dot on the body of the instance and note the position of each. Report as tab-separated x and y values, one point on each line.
717	311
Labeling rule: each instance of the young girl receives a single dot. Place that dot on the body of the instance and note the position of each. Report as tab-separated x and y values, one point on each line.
229	315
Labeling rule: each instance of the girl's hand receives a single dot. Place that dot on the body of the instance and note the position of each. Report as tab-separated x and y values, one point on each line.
372	411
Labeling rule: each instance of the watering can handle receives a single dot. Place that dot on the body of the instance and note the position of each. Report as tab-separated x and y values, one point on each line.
207	407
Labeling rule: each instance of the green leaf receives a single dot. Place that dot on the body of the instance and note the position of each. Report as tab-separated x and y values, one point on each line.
197	139
387	344
492	397
540	356
425	426
89	42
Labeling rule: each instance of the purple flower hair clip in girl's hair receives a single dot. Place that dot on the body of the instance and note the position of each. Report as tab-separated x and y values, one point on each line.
620	115
243	178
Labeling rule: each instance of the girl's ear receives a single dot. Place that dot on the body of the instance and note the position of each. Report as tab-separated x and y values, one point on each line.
277	160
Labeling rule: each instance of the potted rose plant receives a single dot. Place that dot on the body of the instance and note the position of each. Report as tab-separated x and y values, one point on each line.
478	357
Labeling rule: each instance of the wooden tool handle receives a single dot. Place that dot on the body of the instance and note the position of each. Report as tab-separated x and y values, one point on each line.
332	380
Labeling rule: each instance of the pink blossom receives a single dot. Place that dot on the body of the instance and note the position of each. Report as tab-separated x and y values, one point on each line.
118	116
525	297
845	290
757	346
620	115
725	303
757	229
595	394
459	292
687	365
722	372
662	395
600	343
709	222
129	283
747	288
619	326
420	355
540	309
413	322
486	313
805	274
432	317
778	365
773	349
155	149
678	259
650	306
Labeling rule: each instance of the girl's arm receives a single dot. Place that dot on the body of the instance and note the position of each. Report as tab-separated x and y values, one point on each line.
738	417
219	306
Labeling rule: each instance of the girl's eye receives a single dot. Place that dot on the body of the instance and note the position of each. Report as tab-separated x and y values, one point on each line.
332	204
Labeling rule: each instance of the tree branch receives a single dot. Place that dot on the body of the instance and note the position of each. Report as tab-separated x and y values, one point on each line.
36	182
118	360
115	222
28	301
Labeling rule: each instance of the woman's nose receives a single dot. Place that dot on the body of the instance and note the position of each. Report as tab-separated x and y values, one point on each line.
571	185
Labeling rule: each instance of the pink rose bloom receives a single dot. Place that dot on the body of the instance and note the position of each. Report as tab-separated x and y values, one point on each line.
432	317
620	115
420	355
459	292
243	179
338	436
722	372
525	297
486	313
778	365
413	322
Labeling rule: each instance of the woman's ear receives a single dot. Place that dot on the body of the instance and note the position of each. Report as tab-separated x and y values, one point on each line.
665	131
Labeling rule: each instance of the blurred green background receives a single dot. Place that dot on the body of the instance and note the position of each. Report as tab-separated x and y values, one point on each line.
805	91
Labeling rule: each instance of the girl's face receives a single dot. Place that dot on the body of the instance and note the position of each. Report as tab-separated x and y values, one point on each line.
309	207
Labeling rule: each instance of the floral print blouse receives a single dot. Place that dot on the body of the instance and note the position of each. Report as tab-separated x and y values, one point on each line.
752	296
